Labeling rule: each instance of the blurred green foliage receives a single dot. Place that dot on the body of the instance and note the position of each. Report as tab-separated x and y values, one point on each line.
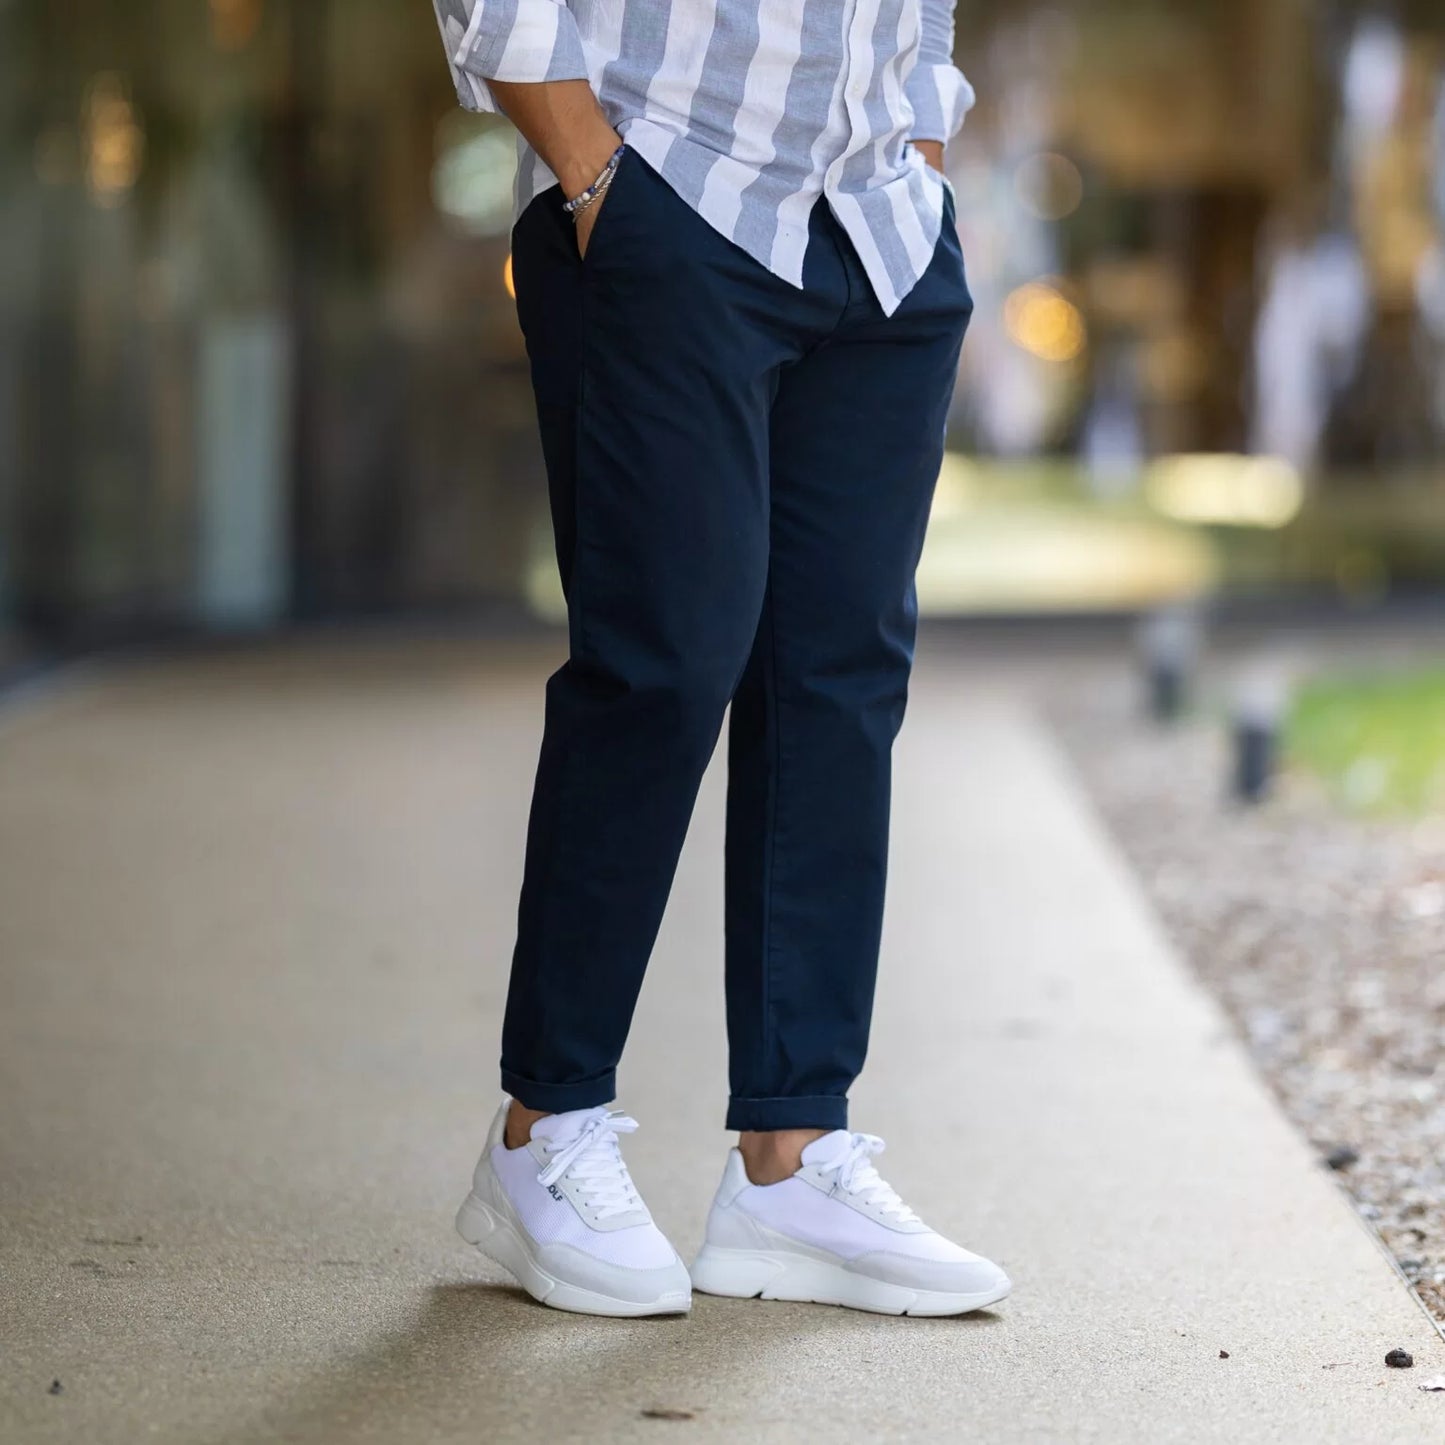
1377	741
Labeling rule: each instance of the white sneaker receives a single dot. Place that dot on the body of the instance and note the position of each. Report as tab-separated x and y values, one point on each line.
563	1215
836	1233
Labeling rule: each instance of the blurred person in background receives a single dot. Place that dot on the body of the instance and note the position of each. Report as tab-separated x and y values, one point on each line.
738	274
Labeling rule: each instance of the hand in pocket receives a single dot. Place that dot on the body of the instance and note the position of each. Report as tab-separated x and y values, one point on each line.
587	220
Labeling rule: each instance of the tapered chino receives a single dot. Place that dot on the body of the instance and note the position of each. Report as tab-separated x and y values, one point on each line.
740	472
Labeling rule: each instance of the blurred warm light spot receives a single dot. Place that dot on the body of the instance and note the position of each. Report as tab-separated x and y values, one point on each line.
476	165
1018	558
115	143
234	23
507	277
1049	186
1225	489
1044	321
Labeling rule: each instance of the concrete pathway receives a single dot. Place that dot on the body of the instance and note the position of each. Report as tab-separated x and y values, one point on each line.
254	915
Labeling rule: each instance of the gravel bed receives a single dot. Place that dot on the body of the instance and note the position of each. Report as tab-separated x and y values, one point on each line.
1322	934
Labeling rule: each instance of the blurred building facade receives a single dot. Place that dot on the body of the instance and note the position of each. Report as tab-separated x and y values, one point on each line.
251	368
258	361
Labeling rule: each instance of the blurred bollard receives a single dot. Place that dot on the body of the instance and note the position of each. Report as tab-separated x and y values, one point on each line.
1169	646
1260	701
1255	747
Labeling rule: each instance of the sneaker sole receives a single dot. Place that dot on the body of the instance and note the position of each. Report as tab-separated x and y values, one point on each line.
486	1227
774	1274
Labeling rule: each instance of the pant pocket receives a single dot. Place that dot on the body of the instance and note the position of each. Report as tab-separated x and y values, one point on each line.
613	200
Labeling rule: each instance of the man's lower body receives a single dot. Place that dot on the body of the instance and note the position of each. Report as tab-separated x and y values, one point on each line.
740	475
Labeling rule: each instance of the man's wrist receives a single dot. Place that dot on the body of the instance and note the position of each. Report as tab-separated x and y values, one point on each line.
580	166
564	124
931	151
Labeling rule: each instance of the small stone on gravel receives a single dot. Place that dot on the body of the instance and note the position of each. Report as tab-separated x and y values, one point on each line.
55	1387
1342	1157
1399	1359
1224	1354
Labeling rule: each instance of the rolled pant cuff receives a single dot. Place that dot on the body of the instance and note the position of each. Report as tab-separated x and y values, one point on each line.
561	1098
816	1111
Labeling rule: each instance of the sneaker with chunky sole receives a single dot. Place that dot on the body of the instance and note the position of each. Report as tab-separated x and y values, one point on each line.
835	1233
563	1215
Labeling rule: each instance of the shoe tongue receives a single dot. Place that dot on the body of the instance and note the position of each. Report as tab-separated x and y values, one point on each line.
563	1128
828	1148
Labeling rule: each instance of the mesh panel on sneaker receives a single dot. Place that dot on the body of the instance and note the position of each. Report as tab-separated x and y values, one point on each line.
800	1211
553	1221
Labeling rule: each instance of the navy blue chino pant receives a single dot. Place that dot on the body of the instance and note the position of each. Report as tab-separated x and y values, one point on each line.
740	473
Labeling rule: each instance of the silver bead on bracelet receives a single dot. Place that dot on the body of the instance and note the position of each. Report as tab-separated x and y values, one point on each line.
597	189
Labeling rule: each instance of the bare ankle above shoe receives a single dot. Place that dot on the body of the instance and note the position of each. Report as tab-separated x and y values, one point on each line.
772	1155
519	1124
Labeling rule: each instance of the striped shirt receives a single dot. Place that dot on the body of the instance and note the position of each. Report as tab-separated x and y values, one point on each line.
749	109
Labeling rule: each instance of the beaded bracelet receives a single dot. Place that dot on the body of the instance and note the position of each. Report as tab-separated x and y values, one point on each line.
579	203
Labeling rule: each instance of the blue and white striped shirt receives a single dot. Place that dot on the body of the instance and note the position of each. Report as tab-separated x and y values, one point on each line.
750	109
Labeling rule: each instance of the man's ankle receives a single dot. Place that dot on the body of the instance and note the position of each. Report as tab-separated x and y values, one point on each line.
772	1155
519	1124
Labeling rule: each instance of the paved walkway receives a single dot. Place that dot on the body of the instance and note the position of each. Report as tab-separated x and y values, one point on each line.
253	917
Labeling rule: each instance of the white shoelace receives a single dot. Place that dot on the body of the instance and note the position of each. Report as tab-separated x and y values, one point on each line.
592	1159
856	1175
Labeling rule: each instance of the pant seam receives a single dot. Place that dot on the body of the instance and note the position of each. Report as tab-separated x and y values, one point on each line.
774	811
577	630
533	922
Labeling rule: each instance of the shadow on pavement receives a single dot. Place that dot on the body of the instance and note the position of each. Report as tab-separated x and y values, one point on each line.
486	1361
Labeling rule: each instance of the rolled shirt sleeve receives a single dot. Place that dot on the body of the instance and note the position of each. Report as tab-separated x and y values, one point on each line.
508	40
936	88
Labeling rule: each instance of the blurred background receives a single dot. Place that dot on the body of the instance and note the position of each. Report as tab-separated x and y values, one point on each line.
259	364
268	453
